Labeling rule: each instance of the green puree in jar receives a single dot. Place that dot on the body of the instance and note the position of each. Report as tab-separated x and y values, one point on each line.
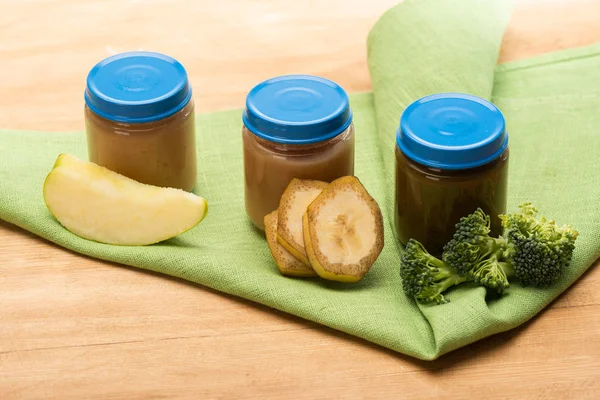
451	157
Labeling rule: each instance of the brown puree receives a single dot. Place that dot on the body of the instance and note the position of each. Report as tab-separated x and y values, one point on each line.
269	167
430	201
160	153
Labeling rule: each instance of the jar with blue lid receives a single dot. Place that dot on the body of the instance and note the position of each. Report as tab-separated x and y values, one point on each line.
451	158
294	126
139	117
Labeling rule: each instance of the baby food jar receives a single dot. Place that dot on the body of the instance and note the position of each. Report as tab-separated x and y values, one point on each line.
295	126
139	117
451	157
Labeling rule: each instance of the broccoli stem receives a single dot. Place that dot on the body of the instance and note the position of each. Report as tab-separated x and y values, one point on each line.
495	247
425	276
444	277
451	281
447	276
493	271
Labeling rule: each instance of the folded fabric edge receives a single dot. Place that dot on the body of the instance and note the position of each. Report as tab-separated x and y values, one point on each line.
553	57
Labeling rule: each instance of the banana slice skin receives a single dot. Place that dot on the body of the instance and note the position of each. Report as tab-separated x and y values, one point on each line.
343	231
286	263
292	206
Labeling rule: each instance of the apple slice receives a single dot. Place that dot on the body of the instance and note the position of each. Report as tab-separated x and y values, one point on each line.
101	205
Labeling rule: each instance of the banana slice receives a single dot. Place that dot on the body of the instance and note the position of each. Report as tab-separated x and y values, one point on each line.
286	263
343	231
292	206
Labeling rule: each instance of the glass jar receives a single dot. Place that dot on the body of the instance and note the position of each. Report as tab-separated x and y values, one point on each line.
451	158
139	117
295	126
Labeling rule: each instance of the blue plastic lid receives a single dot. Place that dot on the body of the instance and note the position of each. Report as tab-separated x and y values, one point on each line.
297	109
137	87
452	131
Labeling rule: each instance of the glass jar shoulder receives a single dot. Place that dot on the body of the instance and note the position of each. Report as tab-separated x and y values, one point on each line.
174	120
435	174
256	143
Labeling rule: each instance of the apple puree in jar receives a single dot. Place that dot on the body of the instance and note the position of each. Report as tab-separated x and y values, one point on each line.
139	118
295	126
160	153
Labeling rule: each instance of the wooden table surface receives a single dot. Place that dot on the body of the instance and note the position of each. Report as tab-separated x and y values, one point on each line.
75	328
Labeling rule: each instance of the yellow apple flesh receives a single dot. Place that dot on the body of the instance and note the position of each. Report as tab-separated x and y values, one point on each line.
104	206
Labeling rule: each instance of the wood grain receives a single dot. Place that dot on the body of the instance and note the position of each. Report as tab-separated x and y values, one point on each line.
72	327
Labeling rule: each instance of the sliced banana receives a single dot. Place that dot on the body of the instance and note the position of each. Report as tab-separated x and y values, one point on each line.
286	263
292	206
343	231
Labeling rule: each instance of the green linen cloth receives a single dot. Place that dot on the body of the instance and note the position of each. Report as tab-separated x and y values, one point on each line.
551	105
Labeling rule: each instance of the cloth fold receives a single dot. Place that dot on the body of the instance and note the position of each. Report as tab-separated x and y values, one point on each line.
417	48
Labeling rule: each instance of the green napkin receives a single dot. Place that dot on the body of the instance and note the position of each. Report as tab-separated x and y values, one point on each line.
551	105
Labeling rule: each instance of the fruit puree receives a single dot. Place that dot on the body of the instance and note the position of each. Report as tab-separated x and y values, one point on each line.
269	168
160	153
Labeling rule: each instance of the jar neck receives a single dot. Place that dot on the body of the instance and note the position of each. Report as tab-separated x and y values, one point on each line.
448	173
301	149
181	115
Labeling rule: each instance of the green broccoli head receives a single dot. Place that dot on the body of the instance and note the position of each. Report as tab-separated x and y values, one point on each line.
477	255
540	250
424	276
469	242
534	251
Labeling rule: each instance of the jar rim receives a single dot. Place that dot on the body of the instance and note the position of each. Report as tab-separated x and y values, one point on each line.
137	87
297	109
452	131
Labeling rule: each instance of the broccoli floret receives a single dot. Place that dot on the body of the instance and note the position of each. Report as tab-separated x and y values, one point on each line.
535	252
477	255
540	250
424	276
